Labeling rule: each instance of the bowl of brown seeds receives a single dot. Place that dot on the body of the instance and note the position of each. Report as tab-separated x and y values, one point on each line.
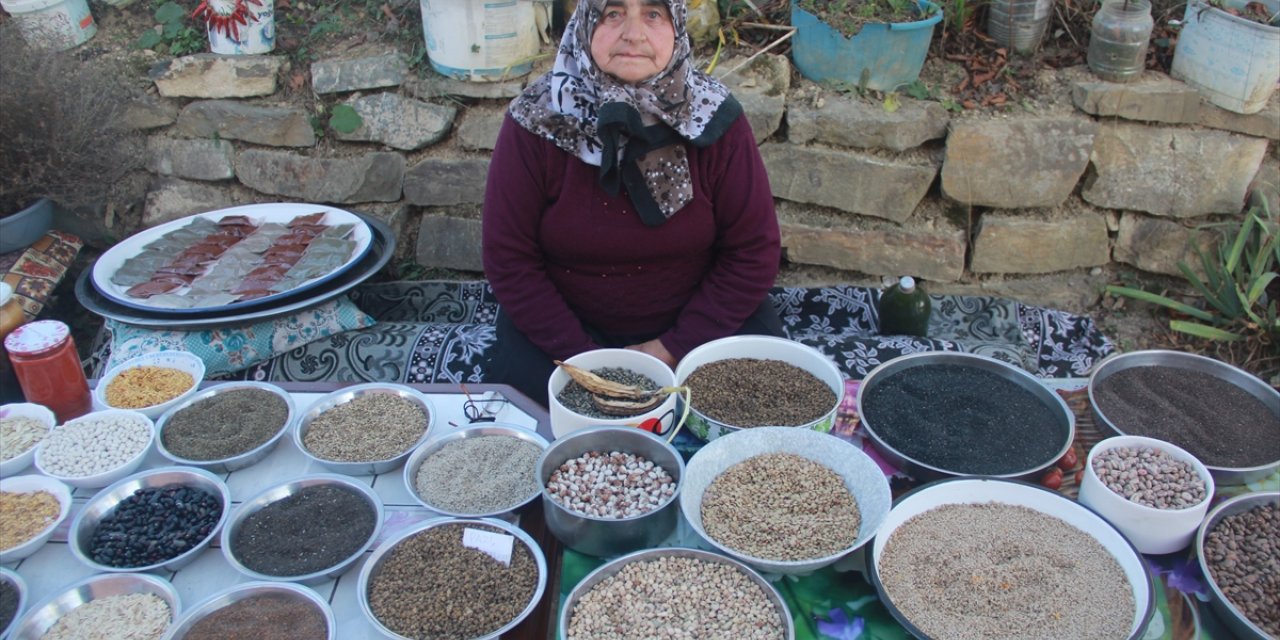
150	383
365	429
1238	546
711	595
784	500
452	578
742	382
226	427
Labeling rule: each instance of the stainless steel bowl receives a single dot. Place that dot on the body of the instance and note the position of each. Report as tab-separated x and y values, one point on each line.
1241	626
614	566
104	503
43	615
374	565
239	461
925	472
343	396
284	490
20	586
611	536
428	448
244	591
1223	476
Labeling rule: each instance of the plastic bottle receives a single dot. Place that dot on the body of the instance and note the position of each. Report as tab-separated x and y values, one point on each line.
904	309
1118	39
48	367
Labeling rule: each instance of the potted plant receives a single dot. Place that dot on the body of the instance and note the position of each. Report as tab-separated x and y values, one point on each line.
1230	51
868	44
62	138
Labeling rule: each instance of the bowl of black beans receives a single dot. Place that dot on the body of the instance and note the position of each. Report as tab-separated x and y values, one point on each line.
226	427
159	519
1238	546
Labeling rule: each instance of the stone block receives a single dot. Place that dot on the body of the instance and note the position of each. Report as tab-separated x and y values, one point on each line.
191	159
173	199
479	127
371	177
854	122
761	87
358	70
1157	245
1263	124
435	85
231	120
398	122
446	181
933	251
1014	164
205	75
149	112
848	180
1153	97
449	242
1039	242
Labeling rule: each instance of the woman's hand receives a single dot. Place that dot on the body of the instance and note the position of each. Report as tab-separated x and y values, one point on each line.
654	348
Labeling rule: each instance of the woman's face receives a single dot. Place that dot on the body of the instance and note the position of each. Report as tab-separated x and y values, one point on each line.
634	39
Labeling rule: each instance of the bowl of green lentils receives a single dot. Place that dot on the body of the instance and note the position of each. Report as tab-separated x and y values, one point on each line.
476	472
365	429
226	427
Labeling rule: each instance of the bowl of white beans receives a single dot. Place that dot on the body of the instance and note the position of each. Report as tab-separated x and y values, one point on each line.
96	449
104	605
22	426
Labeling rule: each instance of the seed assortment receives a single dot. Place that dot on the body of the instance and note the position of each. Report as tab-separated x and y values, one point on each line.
1219	423
134	616
312	530
479	475
271	616
369	428
675	597
225	425
964	420
24	515
578	398
154	525
18	434
610	485
750	392
431	586
1242	552
8	602
1031	575
781	506
1150	477
147	386
92	445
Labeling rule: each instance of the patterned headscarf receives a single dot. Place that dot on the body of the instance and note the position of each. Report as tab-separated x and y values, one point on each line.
598	118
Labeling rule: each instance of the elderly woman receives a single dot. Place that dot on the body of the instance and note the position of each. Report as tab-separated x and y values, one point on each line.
627	204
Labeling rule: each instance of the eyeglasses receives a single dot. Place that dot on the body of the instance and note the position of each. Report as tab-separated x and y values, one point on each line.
484	409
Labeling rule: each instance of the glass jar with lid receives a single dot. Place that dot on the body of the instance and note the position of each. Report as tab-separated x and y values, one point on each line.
48	368
1118	39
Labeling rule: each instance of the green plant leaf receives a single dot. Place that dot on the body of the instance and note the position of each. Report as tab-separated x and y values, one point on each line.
148	39
344	119
1202	331
919	90
1237	247
170	12
172	30
1259	287
891	102
1153	298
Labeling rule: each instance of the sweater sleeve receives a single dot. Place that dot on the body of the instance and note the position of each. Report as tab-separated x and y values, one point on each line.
516	192
749	245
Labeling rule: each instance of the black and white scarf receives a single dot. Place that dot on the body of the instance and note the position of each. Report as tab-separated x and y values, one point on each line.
634	133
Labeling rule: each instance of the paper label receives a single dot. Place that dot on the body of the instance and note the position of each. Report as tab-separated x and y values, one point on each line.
497	545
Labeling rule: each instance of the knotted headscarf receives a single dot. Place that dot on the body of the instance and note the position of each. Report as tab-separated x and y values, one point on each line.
602	120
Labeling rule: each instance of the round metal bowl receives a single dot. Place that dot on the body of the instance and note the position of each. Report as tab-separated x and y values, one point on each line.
614	566
374	565
33	484
861	475
20	586
238	461
611	536
246	590
984	490
284	490
428	448
101	505
345	395
1241	626
761	348
1066	421
1223	476
41	617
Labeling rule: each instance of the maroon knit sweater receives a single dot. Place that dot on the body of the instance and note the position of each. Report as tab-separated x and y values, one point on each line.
559	251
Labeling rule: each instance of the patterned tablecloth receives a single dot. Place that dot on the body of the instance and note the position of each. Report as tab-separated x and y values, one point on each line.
35	272
839	603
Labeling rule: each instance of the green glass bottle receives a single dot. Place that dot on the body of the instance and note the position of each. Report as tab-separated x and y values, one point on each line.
904	309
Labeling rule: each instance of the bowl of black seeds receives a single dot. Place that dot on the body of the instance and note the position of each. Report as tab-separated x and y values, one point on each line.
452	578
943	414
13	598
1238	547
365	429
226	427
154	520
740	382
1224	416
477	472
572	407
308	530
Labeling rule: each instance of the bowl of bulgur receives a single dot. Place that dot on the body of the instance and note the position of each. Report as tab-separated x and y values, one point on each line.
150	383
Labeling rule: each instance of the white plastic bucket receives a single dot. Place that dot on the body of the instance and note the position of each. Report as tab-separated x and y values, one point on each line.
258	36
52	24
1233	62
565	421
480	40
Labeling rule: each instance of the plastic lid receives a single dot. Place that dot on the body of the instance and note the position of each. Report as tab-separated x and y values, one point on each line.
907	283
36	337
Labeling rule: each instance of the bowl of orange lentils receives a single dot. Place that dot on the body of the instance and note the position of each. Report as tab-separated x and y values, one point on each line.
150	383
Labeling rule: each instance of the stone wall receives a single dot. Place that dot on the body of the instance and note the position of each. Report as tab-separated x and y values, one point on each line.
1044	202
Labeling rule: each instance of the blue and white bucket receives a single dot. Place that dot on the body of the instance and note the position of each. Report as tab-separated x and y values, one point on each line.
258	36
52	24
481	40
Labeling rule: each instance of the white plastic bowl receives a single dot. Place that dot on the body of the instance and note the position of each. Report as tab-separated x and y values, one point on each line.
1151	530
39	412
565	421
99	480
32	484
20	585
181	360
863	478
760	348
